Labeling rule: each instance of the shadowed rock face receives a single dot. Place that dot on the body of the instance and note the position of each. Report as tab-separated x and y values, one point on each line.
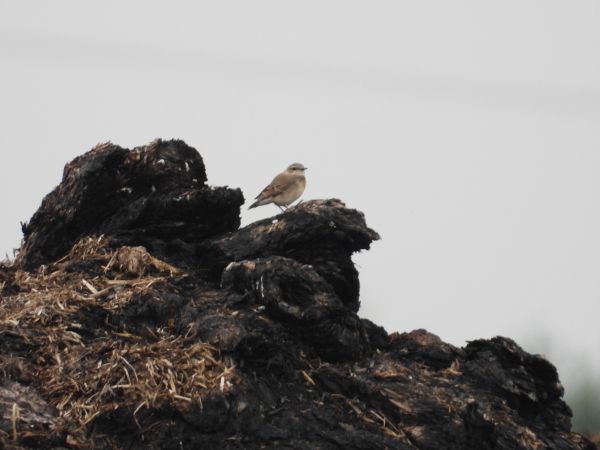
155	323
155	193
323	234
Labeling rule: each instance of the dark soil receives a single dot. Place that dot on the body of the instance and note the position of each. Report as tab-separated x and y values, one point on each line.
138	316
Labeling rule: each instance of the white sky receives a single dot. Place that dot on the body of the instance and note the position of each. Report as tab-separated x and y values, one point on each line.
468	132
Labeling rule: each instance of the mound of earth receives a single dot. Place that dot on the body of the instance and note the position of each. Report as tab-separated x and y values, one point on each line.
138	315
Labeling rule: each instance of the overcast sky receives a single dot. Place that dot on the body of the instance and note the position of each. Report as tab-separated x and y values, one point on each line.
467	131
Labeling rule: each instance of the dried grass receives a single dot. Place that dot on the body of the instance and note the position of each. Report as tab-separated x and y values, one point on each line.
85	373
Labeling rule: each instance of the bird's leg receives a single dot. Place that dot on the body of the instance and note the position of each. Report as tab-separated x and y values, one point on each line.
282	210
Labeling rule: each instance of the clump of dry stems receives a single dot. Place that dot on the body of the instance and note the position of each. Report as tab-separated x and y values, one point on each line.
87	372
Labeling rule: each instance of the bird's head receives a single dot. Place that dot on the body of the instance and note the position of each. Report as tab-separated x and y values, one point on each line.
296	168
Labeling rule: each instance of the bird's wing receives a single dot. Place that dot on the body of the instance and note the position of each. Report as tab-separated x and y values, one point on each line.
279	184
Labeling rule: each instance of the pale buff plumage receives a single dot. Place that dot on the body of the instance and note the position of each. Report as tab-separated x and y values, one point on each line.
286	188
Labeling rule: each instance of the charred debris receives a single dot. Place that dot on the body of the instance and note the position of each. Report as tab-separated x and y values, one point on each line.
138	315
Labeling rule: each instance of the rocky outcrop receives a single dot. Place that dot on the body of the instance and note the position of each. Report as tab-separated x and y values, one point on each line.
138	315
155	194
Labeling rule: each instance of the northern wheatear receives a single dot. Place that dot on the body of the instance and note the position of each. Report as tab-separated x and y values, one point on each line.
285	188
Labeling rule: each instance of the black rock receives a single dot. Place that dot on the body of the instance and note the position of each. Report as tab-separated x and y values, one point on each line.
133	265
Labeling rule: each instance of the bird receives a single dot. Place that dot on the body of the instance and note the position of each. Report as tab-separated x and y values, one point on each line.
285	188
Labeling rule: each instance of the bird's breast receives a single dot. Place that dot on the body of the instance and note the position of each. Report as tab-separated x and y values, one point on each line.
291	194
